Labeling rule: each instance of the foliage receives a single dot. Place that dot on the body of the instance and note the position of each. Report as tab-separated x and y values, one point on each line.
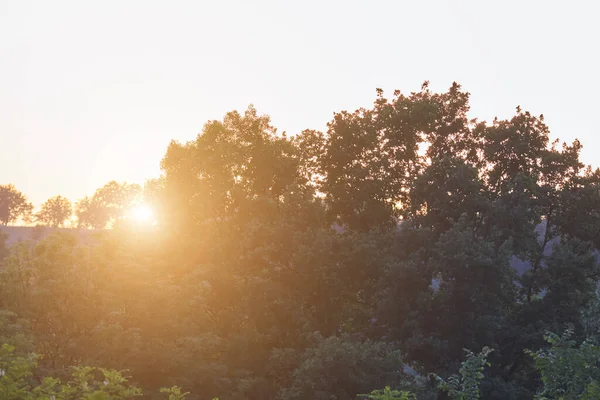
55	211
90	214
109	204
342	367
466	385
317	265
239	165
590	318
388	394
3	246
369	158
568	371
116	198
14	374
174	393
86	383
13	205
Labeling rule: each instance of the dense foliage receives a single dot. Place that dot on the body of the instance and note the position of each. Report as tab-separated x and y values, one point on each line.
324	265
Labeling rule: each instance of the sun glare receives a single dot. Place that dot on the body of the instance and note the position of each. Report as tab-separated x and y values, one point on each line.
142	213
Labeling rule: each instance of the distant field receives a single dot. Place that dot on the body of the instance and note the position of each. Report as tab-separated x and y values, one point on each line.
22	233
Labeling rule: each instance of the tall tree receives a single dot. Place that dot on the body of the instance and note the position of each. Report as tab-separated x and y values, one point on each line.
370	158
232	165
55	211
13	205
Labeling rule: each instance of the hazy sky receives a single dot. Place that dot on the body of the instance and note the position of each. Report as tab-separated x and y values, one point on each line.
92	91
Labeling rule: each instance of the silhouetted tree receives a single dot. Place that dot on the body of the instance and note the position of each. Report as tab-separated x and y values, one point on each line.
117	198
13	205
108	204
55	211
90	214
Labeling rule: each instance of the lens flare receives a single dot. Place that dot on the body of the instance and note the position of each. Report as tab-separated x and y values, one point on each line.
142	213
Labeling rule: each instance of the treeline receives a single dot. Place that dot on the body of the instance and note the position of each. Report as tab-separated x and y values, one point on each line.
109	204
329	264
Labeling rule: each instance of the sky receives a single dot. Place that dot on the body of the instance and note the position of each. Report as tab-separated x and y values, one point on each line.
95	91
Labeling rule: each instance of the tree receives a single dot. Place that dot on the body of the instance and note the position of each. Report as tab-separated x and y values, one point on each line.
469	307
462	386
568	371
466	386
448	189
232	166
370	158
15	373
90	214
55	211
340	367
13	205
109	203
301	267
90	383
117	198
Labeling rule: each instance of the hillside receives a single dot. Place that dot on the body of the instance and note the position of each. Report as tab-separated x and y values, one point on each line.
23	233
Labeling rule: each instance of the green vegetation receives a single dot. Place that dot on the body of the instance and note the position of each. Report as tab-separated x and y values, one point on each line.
375	260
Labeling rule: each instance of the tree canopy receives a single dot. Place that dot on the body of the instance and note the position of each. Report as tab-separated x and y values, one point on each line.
55	211
13	205
363	259
108	205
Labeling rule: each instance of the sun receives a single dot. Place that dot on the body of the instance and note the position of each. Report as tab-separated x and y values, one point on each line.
142	213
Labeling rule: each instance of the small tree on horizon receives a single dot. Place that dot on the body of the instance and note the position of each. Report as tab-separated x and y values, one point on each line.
55	211
13	205
108	204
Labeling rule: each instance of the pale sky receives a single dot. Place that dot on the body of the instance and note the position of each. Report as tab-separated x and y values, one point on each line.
92	91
